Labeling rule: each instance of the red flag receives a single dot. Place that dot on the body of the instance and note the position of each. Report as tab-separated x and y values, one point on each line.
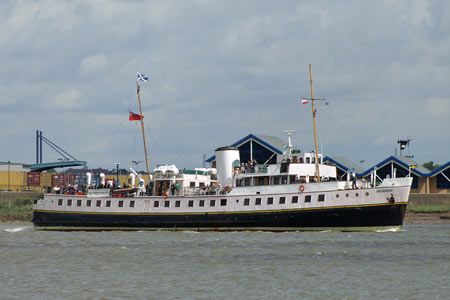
304	101
135	117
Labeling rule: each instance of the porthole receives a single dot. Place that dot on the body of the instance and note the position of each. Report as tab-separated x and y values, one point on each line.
357	194
367	193
337	195
346	195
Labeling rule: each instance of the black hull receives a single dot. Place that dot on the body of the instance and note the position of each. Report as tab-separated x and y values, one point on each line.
346	218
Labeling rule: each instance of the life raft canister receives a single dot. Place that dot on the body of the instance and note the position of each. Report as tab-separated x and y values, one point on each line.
301	188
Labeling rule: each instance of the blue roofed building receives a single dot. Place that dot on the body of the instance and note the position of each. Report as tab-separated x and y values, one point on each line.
262	148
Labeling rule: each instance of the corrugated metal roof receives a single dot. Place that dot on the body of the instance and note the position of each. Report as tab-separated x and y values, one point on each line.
344	164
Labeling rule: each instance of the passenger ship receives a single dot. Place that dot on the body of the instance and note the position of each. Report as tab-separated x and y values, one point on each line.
298	192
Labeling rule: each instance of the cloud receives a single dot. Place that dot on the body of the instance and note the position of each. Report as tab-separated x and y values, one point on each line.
438	107
67	100
94	64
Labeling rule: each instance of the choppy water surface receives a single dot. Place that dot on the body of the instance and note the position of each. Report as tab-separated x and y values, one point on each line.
412	264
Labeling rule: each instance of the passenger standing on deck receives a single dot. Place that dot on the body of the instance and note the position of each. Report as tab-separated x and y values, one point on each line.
353	180
172	189
177	187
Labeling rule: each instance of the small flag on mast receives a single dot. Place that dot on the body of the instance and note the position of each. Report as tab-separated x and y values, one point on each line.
142	77
304	101
135	117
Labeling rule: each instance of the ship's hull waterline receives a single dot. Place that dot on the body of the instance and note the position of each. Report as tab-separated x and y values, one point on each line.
351	218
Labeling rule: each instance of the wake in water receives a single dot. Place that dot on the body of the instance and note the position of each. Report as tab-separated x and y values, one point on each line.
390	230
18	229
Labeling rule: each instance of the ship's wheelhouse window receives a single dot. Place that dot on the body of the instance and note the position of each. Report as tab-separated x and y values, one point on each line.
88	203
247	201
156	203
212	202
301	160
121	203
282	200
270	201
292	179
201	184
69	202
79	202
307	160
132	203
99	203
191	203
294	199
201	203
177	203
258	201
166	203
191	184
313	160
247	181
307	198
108	203
276	180
321	197
223	202
60	202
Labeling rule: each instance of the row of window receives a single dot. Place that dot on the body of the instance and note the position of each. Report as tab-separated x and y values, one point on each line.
201	203
96	203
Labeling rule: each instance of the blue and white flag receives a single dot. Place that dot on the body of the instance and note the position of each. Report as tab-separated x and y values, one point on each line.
142	77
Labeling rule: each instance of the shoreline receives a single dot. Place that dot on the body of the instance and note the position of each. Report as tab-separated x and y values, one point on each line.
426	218
411	218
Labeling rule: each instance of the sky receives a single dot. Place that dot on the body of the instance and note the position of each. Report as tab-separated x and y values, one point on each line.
220	70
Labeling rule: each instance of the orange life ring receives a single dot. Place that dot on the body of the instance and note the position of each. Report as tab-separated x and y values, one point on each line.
165	196
301	188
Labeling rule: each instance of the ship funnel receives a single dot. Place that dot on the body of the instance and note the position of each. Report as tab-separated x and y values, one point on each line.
226	159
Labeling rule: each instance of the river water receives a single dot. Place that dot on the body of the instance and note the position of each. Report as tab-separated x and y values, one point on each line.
411	264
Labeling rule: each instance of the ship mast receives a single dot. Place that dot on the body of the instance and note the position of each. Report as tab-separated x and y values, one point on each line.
314	112
143	131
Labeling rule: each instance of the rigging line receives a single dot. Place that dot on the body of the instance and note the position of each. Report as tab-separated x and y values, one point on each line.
182	156
127	151
352	134
295	121
111	141
155	142
134	144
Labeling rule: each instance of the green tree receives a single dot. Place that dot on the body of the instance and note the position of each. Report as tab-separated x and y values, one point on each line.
430	165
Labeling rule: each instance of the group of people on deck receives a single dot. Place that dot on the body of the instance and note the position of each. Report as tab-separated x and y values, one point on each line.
249	167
